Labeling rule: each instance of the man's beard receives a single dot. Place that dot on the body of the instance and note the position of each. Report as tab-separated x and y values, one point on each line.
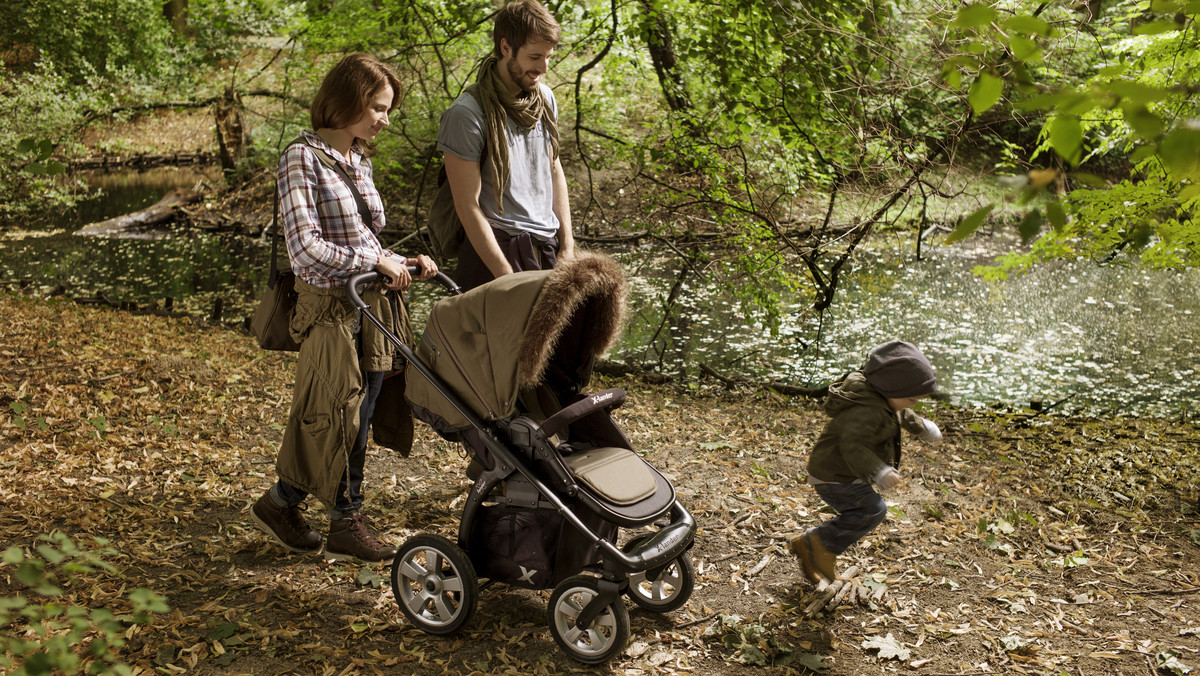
518	76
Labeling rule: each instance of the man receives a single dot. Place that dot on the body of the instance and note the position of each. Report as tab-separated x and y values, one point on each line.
501	147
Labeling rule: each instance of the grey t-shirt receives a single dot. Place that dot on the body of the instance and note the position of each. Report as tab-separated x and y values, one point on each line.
529	193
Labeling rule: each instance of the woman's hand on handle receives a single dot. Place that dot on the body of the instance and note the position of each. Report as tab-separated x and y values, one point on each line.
395	273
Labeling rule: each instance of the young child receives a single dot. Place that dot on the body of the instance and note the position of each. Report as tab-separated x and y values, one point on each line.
861	446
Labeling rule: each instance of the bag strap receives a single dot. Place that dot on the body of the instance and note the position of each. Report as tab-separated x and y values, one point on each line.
325	158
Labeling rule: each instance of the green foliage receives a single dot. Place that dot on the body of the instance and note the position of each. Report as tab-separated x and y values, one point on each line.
1133	104
35	109
49	633
88	38
753	643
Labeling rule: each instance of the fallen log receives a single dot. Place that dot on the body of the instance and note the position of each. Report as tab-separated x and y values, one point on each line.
142	161
159	213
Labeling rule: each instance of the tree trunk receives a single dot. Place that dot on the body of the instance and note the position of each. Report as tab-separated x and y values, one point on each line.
160	213
231	131
661	44
175	12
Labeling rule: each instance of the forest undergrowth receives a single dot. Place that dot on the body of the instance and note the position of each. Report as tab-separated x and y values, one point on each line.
1026	542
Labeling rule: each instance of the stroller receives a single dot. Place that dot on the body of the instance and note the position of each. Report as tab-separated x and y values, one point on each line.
501	369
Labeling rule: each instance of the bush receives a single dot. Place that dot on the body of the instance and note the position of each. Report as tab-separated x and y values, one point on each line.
46	634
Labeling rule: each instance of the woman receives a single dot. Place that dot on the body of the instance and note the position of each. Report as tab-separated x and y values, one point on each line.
331	234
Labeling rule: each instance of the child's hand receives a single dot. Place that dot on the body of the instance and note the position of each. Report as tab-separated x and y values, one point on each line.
931	434
890	479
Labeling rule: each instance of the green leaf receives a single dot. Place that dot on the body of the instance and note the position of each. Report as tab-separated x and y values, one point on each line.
13	556
813	662
985	92
19	407
1056	215
970	224
27	145
1156	28
1066	137
974	15
1180	150
1115	70
951	75
223	630
51	554
1030	226
1025	49
368	578
1136	92
1027	25
1050	101
1090	180
1143	122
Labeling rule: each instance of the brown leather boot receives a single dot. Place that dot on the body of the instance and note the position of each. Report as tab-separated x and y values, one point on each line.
804	554
349	538
823	561
285	525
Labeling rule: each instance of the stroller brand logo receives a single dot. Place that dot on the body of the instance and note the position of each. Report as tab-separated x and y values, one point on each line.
602	397
527	575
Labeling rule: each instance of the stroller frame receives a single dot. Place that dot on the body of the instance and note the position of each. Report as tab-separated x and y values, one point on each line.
573	618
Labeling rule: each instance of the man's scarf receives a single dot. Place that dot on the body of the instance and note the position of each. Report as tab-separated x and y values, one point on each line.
524	110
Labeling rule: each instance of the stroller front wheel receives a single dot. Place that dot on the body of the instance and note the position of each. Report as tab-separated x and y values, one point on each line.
669	589
434	584
603	638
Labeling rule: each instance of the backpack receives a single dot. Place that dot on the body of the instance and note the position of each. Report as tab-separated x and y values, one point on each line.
445	229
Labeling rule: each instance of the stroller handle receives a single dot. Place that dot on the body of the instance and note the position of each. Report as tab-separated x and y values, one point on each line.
364	277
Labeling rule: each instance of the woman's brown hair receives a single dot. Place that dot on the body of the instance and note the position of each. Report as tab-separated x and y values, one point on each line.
347	89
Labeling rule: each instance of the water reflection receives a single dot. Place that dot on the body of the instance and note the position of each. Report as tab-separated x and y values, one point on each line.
129	190
1104	339
188	272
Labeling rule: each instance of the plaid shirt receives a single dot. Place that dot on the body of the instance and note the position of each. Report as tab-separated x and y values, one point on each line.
326	238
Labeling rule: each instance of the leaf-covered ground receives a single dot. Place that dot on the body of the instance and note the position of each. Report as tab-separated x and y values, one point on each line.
1024	544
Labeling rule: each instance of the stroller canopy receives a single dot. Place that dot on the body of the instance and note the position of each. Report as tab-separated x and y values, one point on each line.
517	333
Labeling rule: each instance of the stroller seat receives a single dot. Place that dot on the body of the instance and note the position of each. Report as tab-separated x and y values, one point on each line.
616	474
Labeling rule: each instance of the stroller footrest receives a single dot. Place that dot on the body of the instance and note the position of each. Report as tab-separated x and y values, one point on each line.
616	474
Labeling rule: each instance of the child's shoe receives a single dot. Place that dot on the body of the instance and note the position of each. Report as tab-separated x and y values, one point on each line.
801	551
824	562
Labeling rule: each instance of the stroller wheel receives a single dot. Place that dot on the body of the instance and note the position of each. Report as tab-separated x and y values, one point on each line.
669	590
434	583
607	634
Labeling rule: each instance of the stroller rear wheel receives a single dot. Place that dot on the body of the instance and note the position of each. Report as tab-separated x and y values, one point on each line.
668	590
435	584
603	638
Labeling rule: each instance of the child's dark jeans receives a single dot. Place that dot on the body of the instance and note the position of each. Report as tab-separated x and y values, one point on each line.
859	508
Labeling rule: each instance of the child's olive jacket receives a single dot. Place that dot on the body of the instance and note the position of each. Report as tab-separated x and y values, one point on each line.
863	438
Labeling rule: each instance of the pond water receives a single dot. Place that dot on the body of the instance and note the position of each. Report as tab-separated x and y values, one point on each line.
1098	340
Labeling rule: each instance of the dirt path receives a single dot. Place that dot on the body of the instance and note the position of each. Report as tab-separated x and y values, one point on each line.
1025	544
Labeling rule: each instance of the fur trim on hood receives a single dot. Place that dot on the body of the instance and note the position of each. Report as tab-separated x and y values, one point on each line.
591	285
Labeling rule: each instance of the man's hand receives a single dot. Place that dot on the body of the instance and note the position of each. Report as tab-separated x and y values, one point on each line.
428	267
